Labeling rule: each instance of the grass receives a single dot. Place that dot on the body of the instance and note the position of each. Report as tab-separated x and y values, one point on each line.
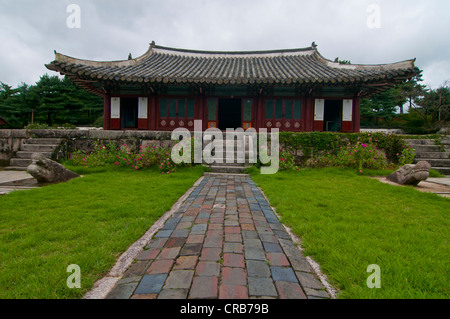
347	222
88	221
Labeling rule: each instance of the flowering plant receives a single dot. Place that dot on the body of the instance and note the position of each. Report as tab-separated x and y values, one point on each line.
286	159
357	156
126	155
407	155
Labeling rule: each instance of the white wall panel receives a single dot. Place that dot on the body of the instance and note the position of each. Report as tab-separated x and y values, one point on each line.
347	110
318	109
115	107
142	108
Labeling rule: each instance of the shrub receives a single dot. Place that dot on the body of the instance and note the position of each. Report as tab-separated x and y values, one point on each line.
358	156
407	155
287	159
124	155
45	126
37	126
315	144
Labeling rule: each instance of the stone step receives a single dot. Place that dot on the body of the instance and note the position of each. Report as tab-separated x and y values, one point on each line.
434	155
41	141
222	174
420	142
227	169
426	148
38	148
442	170
20	162
24	154
436	162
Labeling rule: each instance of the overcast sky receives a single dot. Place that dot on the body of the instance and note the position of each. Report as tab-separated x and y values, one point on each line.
369	32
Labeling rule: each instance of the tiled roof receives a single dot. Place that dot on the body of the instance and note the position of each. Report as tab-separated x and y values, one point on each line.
165	65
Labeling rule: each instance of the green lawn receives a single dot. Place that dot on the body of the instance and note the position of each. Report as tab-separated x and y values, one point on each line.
347	222
89	221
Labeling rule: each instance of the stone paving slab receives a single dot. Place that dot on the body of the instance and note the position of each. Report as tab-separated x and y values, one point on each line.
223	242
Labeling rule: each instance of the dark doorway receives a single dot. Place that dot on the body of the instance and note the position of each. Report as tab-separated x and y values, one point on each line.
229	113
129	112
332	116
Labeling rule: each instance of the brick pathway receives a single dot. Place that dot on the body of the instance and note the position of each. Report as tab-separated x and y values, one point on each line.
224	242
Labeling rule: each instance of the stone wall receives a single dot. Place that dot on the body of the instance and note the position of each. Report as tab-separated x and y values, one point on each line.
74	140
82	140
10	142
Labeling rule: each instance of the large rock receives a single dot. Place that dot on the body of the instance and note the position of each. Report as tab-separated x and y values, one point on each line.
47	171
411	174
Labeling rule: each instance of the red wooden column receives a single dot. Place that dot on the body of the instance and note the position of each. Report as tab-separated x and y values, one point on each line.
199	114
356	114
259	111
309	114
106	112
152	113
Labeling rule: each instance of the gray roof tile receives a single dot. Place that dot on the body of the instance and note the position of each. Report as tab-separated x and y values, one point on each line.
281	67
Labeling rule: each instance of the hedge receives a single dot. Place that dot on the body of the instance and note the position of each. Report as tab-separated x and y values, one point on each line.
314	142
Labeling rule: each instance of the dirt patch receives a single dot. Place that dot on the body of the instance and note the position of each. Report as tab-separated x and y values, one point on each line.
423	186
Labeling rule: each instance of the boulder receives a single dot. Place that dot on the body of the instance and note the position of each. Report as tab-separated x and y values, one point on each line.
411	174
47	171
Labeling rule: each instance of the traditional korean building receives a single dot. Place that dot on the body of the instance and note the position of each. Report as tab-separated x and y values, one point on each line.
293	90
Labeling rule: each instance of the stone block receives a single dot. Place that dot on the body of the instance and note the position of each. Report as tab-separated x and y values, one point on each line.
233	276
151	284
173	294
179	279
160	266
233	260
169	253
257	268
210	254
122	291
277	259
233	292
289	290
254	254
283	274
208	268
260	286
204	288
308	280
191	249
233	247
186	262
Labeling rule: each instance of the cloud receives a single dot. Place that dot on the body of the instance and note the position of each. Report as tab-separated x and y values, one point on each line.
30	30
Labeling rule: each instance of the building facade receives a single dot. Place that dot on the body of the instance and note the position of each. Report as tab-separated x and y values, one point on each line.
293	90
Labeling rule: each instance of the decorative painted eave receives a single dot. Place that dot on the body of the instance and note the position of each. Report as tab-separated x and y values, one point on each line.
291	67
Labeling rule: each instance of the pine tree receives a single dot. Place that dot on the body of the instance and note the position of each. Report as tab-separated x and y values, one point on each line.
51	100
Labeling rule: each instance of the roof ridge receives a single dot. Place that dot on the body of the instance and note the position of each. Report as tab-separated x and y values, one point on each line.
405	64
220	52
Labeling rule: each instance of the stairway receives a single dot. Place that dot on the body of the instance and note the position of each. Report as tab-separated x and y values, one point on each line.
427	150
45	146
230	165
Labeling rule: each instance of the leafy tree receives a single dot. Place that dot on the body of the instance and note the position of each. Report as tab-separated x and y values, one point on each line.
6	91
434	106
51	100
380	106
410	90
14	107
